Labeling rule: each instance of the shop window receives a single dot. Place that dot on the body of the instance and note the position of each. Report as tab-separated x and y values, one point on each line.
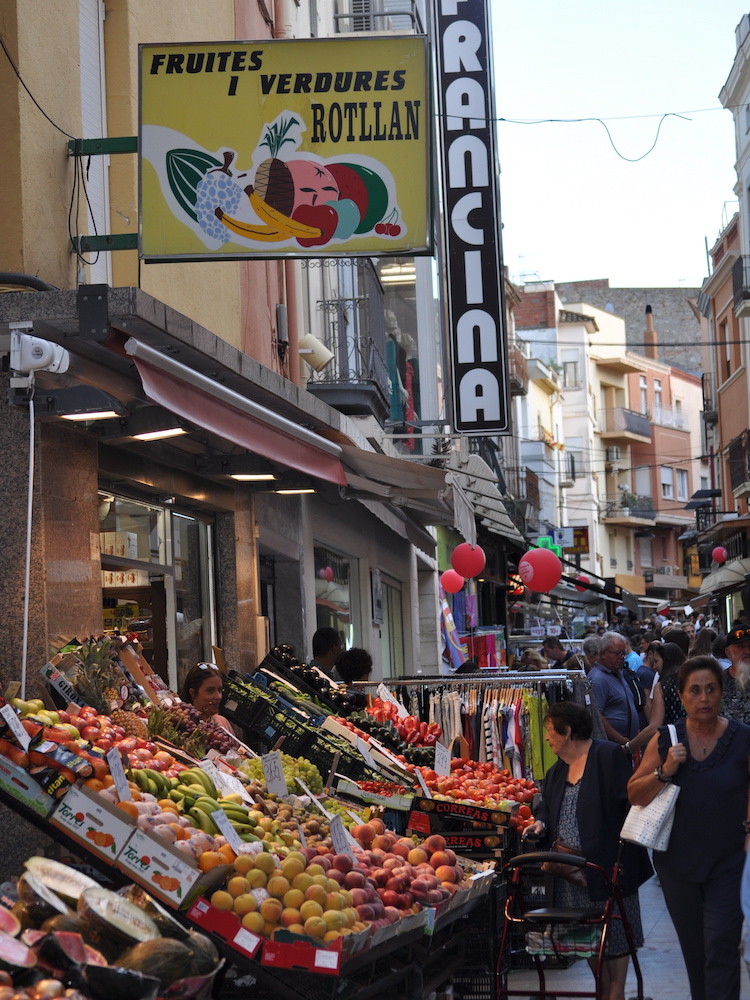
157	581
335	577
392	632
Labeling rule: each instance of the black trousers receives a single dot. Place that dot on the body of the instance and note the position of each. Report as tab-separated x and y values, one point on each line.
708	919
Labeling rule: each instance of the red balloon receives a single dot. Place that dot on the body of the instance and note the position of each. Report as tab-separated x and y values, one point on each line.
719	554
451	581
468	560
540	570
329	573
584	580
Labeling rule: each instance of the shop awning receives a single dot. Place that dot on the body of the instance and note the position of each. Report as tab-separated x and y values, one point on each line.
732	575
226	413
479	483
428	492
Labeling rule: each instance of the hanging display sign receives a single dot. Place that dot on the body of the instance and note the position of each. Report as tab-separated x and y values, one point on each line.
471	210
293	147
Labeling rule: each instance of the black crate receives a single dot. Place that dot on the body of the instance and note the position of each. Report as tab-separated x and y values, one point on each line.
474	983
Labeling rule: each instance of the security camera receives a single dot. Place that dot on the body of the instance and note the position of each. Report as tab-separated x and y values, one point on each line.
32	354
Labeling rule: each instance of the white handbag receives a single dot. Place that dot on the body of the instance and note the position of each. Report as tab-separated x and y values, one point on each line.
651	825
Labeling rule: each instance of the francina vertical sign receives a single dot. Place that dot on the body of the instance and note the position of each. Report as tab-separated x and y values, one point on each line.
471	211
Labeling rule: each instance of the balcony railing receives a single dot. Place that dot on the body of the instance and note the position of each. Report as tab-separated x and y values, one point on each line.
377	15
618	420
630	505
519	371
741	285
665	416
710	406
353	329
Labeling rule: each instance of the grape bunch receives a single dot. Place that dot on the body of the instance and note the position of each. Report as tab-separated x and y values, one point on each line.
183	723
217	189
293	767
343	810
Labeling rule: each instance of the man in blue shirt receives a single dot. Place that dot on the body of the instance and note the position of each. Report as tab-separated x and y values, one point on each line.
613	696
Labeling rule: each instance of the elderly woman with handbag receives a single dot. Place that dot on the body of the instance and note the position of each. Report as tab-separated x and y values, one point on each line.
584	803
701	868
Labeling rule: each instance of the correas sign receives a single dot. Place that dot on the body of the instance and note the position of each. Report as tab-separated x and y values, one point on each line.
474	272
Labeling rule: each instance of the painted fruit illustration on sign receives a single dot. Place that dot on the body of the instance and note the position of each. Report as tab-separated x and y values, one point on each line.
290	197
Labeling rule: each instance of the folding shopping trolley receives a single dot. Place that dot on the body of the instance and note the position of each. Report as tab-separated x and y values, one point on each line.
558	931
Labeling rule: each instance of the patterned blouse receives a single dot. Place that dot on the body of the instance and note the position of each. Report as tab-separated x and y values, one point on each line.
735	704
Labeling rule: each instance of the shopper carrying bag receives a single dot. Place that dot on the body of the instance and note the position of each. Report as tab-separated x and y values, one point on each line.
651	825
700	867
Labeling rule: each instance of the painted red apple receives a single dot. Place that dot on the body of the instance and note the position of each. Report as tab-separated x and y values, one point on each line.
323	217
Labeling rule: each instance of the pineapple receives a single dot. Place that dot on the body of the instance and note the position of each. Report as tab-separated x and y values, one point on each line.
98	677
130	722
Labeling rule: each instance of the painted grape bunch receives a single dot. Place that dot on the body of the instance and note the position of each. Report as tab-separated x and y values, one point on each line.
217	188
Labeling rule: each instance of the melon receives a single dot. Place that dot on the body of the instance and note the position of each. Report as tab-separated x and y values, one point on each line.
165	922
9	922
63	922
205	953
164	959
114	920
103	982
61	879
14	954
40	902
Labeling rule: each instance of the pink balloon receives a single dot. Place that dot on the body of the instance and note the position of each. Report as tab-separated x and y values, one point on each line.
719	554
468	560
451	581
584	580
540	570
321	574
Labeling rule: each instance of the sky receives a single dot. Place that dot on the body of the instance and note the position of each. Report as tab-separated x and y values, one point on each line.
572	208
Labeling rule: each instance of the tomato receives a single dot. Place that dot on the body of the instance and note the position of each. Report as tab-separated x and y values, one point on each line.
524	812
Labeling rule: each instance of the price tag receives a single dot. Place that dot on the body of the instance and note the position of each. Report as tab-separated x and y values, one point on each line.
314	798
385	695
325	959
357	819
12	690
365	751
221	819
117	771
425	790
19	733
246	940
60	683
342	840
301	834
210	769
442	759
274	773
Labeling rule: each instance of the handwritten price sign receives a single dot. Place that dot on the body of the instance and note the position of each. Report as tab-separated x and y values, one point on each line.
274	773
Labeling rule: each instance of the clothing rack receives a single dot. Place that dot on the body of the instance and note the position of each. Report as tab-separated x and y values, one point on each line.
486	677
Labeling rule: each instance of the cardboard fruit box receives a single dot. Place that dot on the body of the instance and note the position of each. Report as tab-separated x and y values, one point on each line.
167	873
225	925
441	811
18	783
93	822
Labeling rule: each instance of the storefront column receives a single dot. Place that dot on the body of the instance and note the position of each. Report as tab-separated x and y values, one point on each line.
239	611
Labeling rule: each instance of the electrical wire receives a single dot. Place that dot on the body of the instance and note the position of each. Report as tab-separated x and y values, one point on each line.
78	178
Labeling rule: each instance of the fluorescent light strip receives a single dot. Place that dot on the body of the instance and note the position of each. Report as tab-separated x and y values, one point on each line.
254	477
168	432
96	415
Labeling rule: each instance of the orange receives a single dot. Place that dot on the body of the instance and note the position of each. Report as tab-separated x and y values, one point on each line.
228	852
94	784
209	860
129	808
108	781
164	804
179	831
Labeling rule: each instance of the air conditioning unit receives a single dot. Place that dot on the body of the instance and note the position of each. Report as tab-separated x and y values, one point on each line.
613	453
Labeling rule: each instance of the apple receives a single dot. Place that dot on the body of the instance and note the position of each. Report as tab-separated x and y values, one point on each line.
90	733
323	217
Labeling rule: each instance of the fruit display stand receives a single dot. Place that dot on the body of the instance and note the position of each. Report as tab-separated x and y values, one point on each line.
422	951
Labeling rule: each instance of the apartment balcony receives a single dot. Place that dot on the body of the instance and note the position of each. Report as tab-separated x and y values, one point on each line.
519	371
741	286
665	578
356	381
629	510
377	15
666	416
710	406
619	424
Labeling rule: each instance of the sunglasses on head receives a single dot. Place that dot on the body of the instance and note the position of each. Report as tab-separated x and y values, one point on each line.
739	634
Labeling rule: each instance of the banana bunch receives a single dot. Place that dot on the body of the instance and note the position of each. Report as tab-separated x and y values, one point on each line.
197	798
275	225
154	782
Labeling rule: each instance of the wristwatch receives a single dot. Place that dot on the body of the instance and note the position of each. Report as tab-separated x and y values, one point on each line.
626	747
659	773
